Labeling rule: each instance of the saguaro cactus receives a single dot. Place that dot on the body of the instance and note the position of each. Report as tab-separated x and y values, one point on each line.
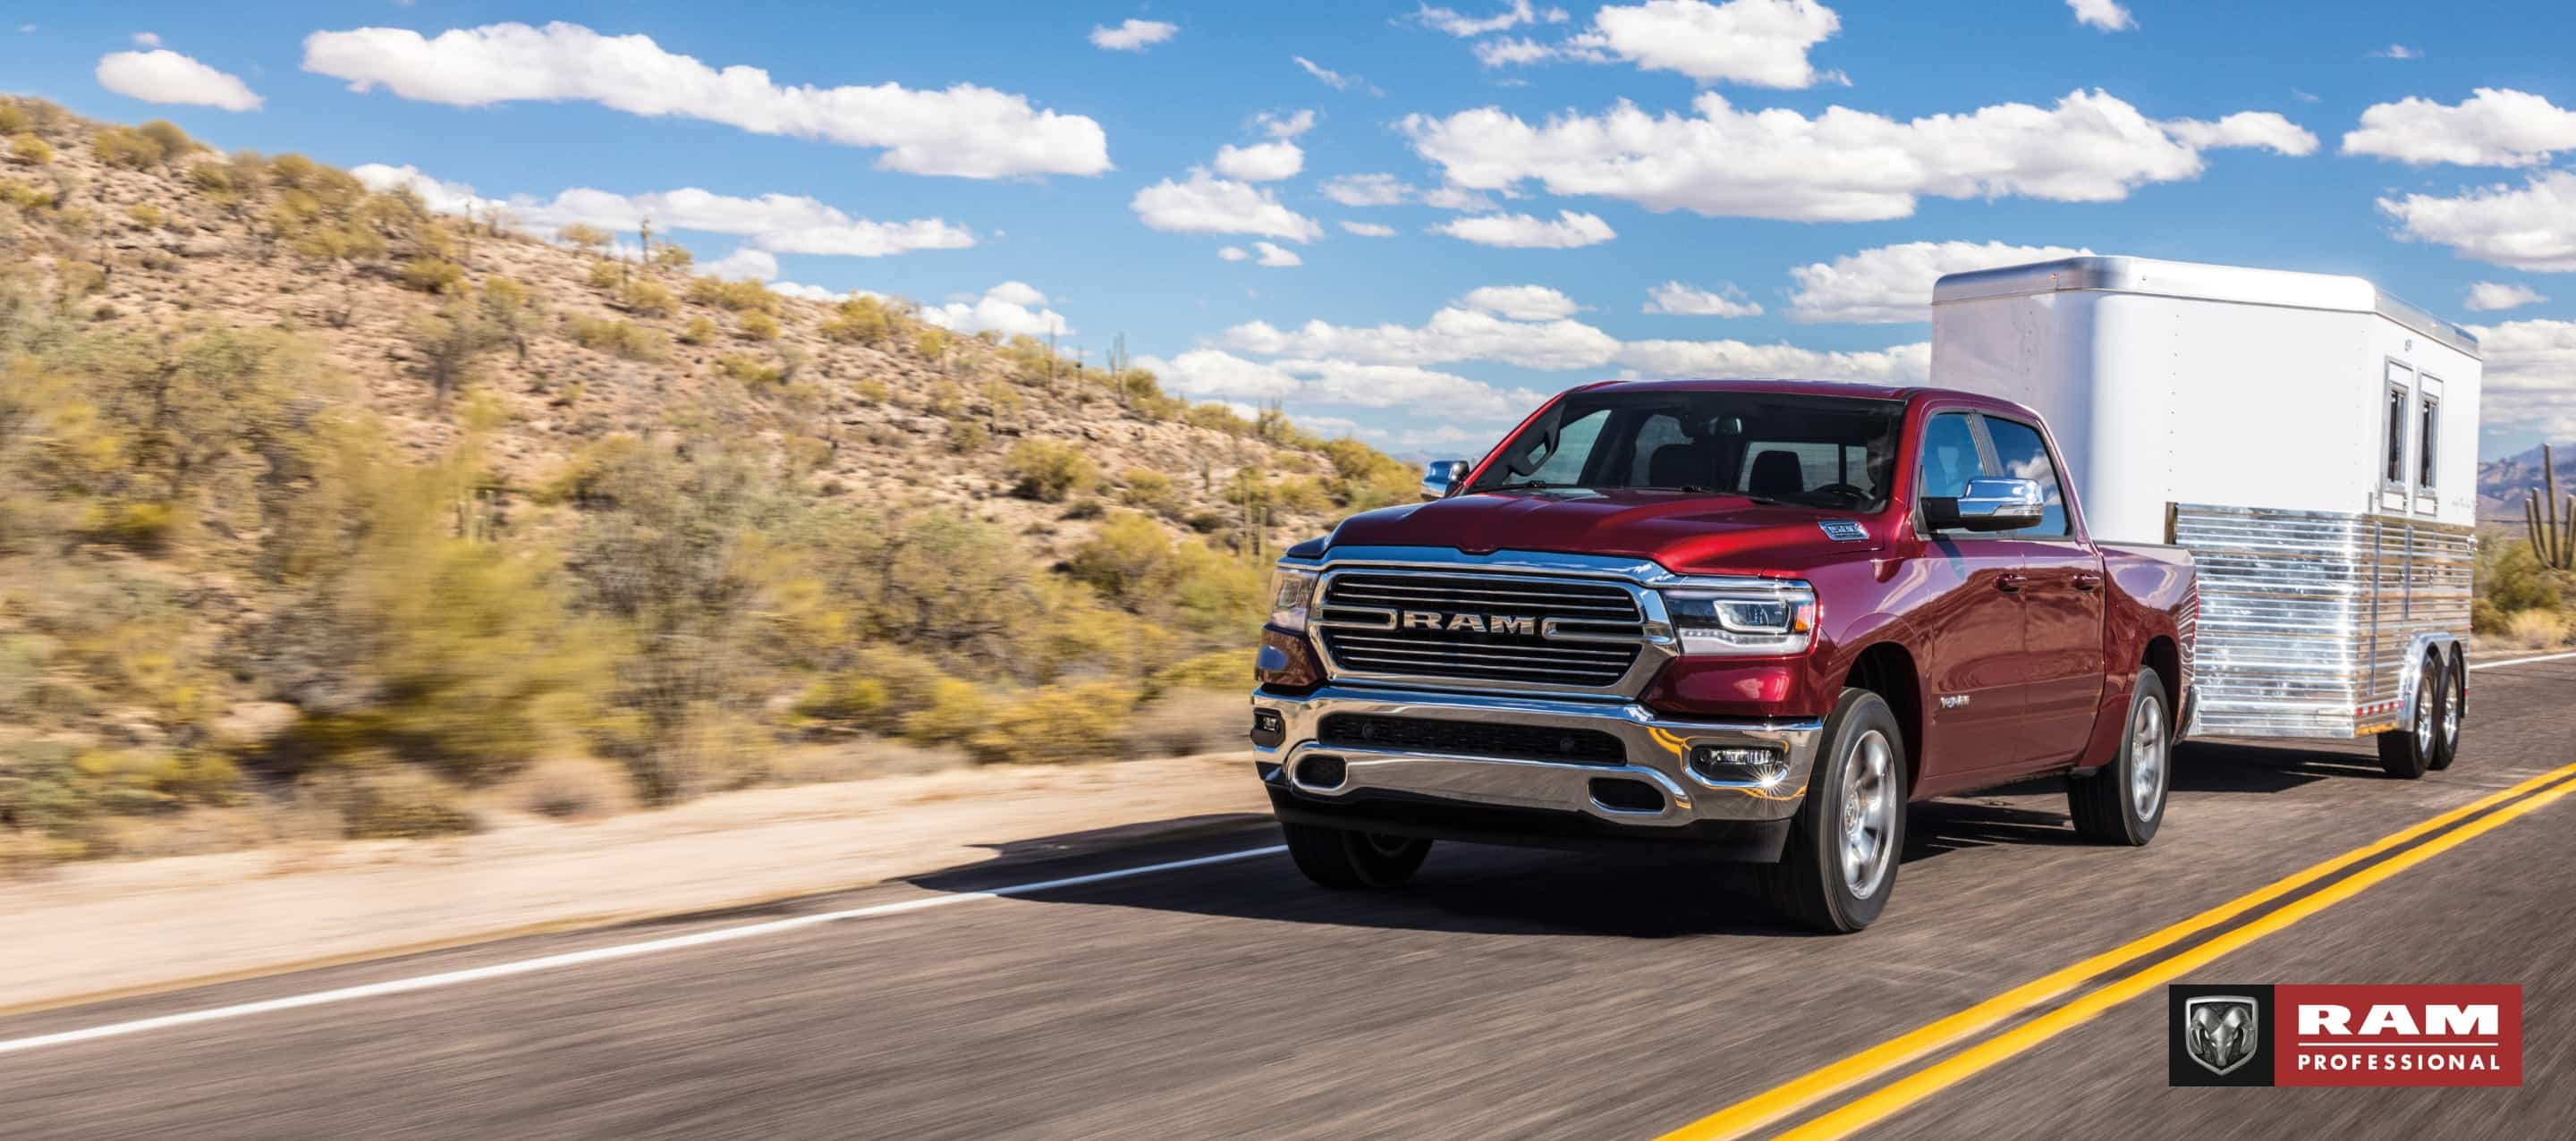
2553	536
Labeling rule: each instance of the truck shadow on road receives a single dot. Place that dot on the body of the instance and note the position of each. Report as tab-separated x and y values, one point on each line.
2228	766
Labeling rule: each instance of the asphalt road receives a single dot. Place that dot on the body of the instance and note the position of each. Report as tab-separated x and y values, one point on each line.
1502	994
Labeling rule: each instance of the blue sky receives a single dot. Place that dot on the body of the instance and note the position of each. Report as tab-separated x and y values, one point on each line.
1783	154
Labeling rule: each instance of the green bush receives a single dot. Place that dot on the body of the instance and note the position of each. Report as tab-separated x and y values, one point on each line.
434	275
126	147
747	370
619	338
760	326
586	238
1048	470
1056	724
699	331
28	150
645	298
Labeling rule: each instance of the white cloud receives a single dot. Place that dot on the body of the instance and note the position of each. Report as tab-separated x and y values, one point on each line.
1285	126
1334	79
1763	43
805	292
1261	162
2527	367
1512	51
1517	13
1262	254
1454	198
1897	364
1522	231
1133	35
2107	15
1209	205
2264	129
1521	302
1677	298
2494	127
2532	227
1367	190
1894	283
1368	229
1452	334
1840	165
1211	374
1011	308
778	223
2397	51
2489	296
148	39
164	76
749	261
965	130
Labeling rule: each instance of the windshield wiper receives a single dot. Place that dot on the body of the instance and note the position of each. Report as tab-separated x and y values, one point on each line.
1528	484
1701	489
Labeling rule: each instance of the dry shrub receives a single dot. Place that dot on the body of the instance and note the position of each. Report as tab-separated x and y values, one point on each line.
1190	721
2537	629
381	801
573	788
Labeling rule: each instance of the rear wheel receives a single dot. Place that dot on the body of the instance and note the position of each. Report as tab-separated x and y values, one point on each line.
2455	709
1342	858
2405	752
1839	865
2124	802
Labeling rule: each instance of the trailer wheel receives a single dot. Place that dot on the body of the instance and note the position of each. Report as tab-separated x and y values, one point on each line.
1839	865
2124	803
1343	858
2405	752
2455	710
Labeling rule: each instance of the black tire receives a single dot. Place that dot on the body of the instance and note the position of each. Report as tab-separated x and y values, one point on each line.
2455	710
1342	858
2407	751
2106	806
1808	886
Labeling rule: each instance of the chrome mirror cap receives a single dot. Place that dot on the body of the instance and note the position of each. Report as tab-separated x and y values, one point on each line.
2001	503
1440	477
1988	503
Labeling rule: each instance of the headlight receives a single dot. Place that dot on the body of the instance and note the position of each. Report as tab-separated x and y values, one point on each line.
1291	590
1744	621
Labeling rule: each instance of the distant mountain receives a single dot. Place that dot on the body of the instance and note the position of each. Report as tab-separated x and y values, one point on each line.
2504	484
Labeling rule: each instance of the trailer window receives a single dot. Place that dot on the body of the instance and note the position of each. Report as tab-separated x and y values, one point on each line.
2392	471
2428	423
2022	454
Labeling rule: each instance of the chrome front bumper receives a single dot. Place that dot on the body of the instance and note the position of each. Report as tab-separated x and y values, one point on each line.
1655	750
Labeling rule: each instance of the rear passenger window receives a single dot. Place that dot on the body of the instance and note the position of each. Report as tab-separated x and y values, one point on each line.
2023	454
1949	456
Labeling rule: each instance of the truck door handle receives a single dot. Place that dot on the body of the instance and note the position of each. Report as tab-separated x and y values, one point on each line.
2010	583
2085	580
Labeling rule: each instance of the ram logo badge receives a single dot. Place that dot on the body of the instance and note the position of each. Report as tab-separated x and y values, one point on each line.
1470	623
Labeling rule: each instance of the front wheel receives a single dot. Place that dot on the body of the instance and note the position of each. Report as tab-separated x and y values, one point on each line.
2124	802
1342	858
1839	865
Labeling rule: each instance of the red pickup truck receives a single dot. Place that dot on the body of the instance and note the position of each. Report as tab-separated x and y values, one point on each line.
1757	616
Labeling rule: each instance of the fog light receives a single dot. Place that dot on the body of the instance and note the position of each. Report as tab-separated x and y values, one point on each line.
1740	764
1268	728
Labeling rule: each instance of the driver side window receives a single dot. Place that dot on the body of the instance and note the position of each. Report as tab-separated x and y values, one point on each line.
1949	457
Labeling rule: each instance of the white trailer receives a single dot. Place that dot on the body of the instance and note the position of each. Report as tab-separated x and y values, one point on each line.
2309	437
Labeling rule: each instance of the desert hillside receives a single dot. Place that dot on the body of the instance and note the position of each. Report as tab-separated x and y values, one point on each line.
313	498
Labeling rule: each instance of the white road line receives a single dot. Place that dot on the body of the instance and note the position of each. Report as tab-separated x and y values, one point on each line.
601	954
2475	666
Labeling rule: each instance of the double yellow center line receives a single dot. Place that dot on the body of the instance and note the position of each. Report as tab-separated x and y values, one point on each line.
1777	1104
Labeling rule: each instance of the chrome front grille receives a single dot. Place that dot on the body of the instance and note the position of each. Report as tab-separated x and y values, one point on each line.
1514	629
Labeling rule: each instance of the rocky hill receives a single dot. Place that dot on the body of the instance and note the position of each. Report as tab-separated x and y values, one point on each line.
2504	484
308	493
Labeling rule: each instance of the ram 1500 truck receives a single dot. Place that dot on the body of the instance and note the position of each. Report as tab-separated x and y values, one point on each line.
1756	616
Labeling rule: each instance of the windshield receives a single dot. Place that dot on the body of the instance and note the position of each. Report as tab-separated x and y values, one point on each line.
1816	451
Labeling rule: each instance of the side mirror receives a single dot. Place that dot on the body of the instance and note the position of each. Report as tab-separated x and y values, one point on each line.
1440	477
1992	503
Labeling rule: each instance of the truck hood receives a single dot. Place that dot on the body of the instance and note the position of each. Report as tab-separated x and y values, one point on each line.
1693	534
